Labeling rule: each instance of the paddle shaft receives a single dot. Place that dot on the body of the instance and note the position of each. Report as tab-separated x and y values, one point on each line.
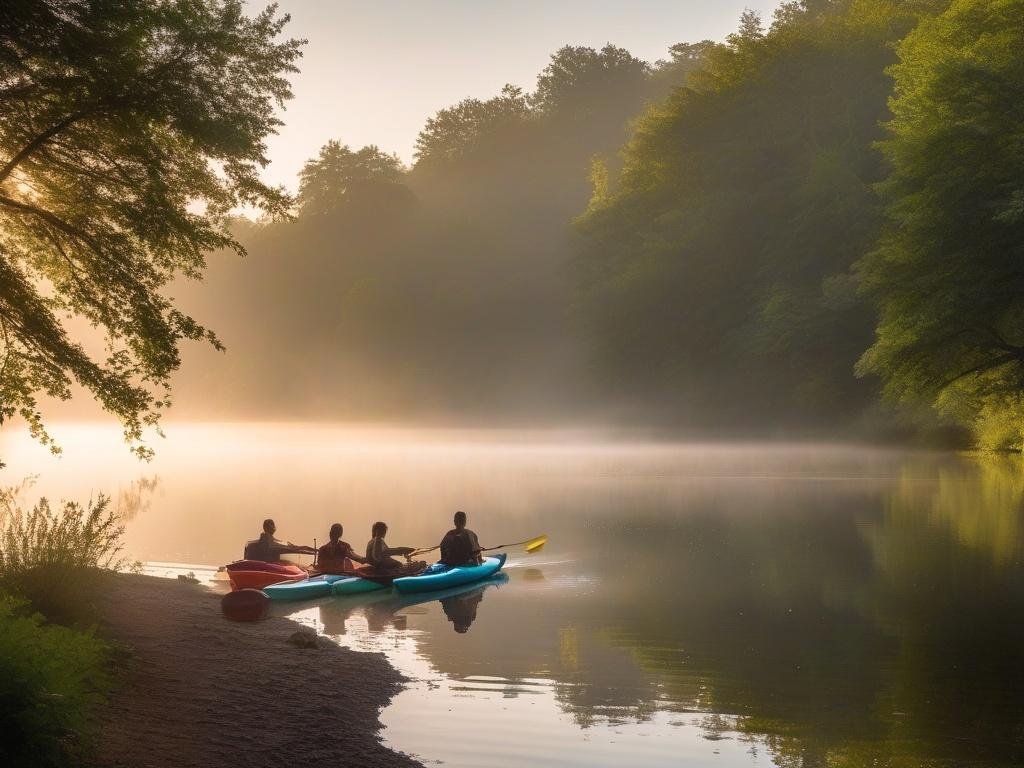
502	546
484	549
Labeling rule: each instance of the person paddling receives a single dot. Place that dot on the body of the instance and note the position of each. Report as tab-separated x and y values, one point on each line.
331	556
269	549
460	546
378	553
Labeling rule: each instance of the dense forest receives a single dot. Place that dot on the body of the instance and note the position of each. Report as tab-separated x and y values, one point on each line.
808	227
812	227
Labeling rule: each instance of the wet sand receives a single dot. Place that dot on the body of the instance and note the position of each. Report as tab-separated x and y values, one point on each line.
201	691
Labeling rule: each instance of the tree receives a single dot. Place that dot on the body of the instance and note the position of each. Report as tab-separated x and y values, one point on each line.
455	132
714	270
947	274
580	83
129	131
337	174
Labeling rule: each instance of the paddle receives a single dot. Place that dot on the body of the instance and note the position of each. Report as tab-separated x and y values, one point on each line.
536	544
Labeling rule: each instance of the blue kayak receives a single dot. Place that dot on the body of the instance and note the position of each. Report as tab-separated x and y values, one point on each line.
450	577
353	585
318	586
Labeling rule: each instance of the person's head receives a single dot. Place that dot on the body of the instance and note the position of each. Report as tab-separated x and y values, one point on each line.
460	519
336	531
268	526
379	529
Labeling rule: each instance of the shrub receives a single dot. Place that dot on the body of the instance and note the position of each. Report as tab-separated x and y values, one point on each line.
54	558
50	678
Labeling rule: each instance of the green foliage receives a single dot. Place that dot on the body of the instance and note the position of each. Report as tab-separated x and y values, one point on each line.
947	274
54	558
128	133
455	132
579	81
338	175
441	291
51	678
715	278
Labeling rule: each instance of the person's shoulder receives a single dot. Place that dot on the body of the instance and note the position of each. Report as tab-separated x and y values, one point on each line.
452	532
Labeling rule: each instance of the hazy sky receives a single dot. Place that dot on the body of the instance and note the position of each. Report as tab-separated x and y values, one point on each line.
374	70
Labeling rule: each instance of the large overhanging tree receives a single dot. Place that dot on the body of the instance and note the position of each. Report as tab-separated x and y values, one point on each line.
948	274
129	132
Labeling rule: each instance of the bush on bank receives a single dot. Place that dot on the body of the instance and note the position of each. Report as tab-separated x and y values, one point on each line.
52	675
55	557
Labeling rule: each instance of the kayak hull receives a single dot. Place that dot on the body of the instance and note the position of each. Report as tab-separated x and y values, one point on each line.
453	577
261	565
354	585
263	579
307	589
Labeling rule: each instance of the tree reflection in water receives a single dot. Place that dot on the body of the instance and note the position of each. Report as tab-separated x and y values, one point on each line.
868	634
826	623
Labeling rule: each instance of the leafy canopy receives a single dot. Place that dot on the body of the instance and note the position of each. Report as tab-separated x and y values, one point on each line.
337	174
947	275
129	130
715	268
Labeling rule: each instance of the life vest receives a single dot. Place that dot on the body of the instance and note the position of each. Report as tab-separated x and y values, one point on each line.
456	548
254	550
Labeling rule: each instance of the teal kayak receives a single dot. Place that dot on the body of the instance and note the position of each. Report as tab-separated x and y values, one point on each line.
451	577
353	585
307	589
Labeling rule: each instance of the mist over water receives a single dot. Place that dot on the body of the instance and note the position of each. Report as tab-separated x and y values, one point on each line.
715	604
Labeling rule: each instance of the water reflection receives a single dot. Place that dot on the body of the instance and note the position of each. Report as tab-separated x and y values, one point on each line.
137	498
461	609
383	609
851	629
706	605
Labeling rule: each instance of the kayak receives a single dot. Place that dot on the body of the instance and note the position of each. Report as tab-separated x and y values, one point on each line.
450	577
354	585
260	565
366	578
307	589
254	574
399	602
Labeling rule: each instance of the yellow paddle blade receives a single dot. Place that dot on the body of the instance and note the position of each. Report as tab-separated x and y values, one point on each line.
536	544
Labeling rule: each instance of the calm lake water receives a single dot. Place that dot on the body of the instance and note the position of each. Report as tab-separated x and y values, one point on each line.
699	605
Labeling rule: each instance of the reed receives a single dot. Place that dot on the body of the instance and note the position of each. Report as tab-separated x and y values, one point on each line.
54	556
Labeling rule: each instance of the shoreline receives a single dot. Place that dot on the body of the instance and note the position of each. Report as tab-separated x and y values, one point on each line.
200	691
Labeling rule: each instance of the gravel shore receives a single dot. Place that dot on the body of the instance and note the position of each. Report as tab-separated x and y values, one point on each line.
200	691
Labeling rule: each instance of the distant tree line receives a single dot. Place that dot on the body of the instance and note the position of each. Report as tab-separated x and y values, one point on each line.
813	226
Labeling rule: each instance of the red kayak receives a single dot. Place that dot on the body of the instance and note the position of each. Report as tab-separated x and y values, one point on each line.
257	574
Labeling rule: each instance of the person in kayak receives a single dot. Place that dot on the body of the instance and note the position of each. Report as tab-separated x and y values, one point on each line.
379	554
460	546
269	549
331	556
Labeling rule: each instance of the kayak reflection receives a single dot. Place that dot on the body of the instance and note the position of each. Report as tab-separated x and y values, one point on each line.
459	604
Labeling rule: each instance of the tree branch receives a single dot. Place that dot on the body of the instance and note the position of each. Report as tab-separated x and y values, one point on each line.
982	367
53	220
44	137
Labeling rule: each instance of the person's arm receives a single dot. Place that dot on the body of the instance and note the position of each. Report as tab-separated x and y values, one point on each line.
287	548
400	550
351	555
